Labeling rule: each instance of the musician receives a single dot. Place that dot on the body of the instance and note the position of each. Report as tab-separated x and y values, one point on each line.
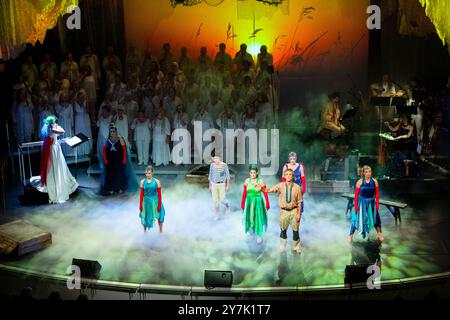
386	88
330	126
404	129
404	143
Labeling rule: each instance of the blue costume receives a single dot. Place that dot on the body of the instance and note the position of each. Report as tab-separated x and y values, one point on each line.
149	211
366	218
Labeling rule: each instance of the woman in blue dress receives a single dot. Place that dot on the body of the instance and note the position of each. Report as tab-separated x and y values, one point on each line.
150	202
367	201
299	173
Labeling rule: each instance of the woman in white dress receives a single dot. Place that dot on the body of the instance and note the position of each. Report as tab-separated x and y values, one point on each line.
201	118
83	124
161	139
64	112
56	179
141	127
23	118
103	124
121	122
180	121
88	84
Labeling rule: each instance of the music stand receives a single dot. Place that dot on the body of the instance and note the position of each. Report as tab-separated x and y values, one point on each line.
408	110
349	114
74	142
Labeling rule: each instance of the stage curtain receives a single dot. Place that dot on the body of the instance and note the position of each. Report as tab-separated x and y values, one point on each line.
24	21
439	12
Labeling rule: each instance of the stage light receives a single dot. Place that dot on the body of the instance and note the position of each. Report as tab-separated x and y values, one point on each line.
253	48
218	279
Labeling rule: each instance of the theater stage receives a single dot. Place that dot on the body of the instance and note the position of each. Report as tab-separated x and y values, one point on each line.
107	229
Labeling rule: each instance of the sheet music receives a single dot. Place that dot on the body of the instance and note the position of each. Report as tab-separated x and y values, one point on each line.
72	141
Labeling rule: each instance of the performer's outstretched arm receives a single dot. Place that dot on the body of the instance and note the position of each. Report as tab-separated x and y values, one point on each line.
358	188
377	195
124	152
303	179
141	197
266	198
244	196
282	175
105	158
159	198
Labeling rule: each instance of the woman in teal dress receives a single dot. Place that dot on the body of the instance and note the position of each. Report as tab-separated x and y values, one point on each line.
150	202
365	218
254	205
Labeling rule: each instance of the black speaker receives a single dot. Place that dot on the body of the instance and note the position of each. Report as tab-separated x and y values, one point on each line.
356	273
89	269
218	279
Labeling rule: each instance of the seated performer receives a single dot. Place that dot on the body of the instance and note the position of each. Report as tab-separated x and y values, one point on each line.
367	201
150	201
117	175
330	126
254	206
56	179
299	173
290	202
405	142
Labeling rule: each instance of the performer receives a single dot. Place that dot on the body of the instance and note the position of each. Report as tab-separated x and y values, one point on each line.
56	179
330	126
299	173
219	184
254	206
290	202
161	139
405	142
150	201
142	136
367	202
115	160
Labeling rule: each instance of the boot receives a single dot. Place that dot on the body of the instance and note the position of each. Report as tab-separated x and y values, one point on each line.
297	247
283	243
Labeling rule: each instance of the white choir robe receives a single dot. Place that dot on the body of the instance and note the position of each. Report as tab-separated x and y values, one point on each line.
205	121
131	109
103	134
24	122
161	149
66	120
83	125
225	123
142	138
180	121
122	128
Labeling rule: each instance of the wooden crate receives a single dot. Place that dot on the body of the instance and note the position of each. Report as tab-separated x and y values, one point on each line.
19	237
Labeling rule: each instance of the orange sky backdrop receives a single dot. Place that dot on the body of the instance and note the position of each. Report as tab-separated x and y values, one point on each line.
151	23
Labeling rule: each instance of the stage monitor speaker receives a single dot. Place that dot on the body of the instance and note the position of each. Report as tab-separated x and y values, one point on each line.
218	279
89	269
356	274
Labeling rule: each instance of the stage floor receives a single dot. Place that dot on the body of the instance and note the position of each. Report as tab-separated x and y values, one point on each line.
108	229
